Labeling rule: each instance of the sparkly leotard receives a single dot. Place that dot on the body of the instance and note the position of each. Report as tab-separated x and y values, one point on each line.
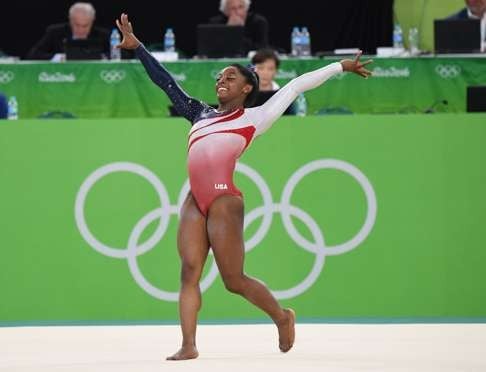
217	139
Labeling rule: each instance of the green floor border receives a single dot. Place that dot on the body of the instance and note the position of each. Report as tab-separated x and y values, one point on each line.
391	321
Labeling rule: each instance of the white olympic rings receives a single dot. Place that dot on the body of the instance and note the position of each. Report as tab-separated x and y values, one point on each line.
448	71
6	76
318	246
112	76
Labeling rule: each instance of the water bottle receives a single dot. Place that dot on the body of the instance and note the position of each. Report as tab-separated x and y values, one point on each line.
413	41
305	42
115	53
301	105
169	40
13	108
397	37
295	42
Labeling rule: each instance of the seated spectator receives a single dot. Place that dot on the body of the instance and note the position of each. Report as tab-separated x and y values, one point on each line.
236	13
266	63
3	106
475	9
79	27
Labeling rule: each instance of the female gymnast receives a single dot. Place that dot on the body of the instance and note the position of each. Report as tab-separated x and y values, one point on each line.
212	213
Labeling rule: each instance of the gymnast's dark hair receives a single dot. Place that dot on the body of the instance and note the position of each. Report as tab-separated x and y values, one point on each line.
251	78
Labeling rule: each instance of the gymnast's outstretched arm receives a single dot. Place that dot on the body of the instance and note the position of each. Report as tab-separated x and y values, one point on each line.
185	105
265	115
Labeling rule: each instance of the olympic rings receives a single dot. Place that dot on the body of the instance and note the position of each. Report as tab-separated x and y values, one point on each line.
6	76
112	76
317	247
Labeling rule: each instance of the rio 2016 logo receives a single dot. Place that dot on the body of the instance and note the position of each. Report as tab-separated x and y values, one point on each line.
317	246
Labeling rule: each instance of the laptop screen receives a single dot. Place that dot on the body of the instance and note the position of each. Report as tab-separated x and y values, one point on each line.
457	35
219	41
86	49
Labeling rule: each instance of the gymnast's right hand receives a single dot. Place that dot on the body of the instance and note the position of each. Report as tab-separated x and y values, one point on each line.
129	40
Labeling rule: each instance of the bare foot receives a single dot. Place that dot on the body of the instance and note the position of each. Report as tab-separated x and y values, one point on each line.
286	331
185	352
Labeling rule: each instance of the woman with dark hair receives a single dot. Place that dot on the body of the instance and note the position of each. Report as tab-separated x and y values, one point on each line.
212	214
266	63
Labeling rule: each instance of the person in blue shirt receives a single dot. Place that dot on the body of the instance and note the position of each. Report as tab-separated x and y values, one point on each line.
3	106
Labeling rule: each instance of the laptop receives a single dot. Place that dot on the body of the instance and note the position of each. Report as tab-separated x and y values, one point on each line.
220	41
85	49
457	36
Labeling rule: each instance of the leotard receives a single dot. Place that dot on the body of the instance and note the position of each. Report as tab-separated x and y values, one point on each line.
217	139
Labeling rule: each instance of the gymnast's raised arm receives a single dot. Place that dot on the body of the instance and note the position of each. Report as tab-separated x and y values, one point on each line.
271	110
185	105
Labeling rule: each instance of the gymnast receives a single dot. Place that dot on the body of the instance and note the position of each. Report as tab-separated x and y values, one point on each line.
212	213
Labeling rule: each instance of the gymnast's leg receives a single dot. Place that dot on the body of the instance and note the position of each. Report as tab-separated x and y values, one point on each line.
193	246
225	231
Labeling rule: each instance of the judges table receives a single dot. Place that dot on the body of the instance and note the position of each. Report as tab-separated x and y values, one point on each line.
114	90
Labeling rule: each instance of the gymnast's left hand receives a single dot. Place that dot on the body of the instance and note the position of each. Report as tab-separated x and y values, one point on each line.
129	40
356	66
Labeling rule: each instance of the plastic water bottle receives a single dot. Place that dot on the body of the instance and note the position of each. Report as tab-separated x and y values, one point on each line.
13	108
413	41
397	37
301	102
305	42
169	40
295	42
115	53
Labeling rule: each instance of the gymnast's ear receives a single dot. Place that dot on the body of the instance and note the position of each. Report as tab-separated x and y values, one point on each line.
247	89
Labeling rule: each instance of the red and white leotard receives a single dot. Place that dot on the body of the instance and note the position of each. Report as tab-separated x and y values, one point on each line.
217	140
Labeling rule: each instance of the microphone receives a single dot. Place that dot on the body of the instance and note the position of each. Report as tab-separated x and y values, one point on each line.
431	109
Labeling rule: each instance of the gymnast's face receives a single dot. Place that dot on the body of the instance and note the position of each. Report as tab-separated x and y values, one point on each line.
231	84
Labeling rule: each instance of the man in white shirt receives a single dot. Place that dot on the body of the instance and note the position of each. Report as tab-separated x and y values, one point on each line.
475	9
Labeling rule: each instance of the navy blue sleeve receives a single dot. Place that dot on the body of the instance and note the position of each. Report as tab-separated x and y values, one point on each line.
185	105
